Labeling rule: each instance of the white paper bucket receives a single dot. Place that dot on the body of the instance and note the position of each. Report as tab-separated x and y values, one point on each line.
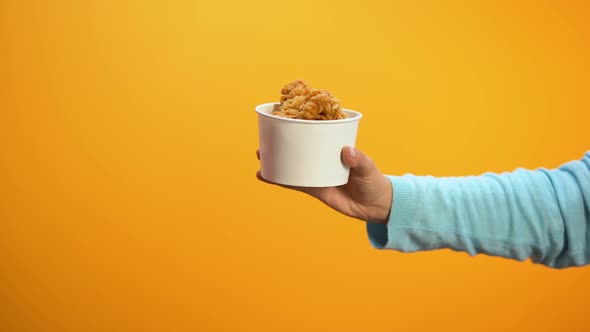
304	153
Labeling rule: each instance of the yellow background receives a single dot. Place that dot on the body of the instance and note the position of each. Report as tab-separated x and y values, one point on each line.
128	197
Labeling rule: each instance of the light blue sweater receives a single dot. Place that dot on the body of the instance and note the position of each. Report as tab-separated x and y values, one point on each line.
543	214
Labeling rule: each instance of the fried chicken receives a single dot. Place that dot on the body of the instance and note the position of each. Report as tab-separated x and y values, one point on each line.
300	101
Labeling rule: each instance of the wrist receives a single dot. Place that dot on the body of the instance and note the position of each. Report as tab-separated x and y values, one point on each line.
384	205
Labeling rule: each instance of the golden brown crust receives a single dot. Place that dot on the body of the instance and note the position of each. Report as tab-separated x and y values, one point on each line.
300	101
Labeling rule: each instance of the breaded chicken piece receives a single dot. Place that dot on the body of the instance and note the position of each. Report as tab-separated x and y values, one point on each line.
300	101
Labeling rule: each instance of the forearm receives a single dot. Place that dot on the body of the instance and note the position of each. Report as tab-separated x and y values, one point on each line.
542	215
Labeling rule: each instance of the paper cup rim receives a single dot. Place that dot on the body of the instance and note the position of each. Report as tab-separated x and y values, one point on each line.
356	116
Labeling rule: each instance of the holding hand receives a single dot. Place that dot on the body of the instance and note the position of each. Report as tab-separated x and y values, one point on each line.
367	195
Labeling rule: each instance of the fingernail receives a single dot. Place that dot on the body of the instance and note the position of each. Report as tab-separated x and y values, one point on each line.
352	152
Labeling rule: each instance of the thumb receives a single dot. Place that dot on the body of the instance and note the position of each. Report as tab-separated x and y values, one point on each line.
358	161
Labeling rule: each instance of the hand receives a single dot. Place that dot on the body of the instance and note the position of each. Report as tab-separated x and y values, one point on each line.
367	195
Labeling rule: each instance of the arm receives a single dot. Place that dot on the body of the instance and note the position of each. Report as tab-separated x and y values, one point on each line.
543	215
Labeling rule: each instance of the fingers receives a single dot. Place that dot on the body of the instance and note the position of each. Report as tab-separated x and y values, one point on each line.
316	192
259	176
358	161
348	155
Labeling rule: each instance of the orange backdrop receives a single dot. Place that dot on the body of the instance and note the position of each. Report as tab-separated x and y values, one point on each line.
128	197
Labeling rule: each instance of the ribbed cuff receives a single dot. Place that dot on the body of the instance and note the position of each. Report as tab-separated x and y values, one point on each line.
403	211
